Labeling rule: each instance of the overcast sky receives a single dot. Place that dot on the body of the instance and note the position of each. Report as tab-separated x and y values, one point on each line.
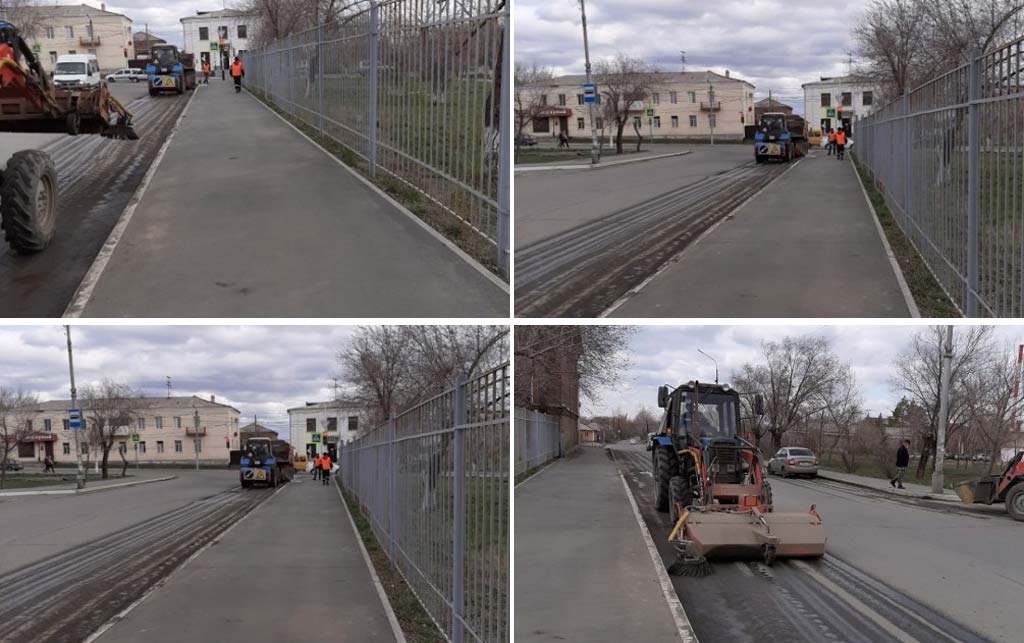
774	44
668	355
261	370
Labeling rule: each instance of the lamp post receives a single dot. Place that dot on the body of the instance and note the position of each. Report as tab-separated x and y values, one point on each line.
79	472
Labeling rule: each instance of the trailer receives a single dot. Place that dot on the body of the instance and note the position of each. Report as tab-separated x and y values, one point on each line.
265	461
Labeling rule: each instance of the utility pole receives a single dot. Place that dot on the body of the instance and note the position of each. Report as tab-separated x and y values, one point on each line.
79	472
682	60
168	387
940	442
195	441
595	156
711	108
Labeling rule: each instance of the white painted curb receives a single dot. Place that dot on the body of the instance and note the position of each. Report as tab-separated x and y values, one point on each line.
588	166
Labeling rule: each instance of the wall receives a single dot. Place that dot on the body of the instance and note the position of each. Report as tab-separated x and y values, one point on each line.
235	44
113	31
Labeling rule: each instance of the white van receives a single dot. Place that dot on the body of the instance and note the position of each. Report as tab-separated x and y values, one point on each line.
77	69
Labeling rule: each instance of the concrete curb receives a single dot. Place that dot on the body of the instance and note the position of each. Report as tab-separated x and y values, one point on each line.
586	166
75	492
822	473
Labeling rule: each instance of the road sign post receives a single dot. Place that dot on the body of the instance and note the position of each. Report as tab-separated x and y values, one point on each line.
79	472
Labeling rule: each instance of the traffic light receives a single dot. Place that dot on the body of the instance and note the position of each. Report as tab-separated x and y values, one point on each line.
125	52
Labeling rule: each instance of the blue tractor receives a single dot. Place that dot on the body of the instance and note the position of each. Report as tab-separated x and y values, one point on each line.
780	136
170	70
265	461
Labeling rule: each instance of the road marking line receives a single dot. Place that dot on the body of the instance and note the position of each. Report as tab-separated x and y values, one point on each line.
462	254
855	603
117	618
900	279
396	629
682	622
92	277
618	303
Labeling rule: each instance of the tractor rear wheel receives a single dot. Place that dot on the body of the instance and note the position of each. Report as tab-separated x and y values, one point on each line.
679	492
28	201
666	465
1015	501
153	91
73	123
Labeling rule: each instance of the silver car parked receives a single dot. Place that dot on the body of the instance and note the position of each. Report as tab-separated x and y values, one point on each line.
794	461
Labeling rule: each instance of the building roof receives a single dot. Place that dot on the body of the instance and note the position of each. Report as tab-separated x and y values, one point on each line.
253	427
177	402
141	36
326	406
770	102
74	11
220	13
664	77
851	79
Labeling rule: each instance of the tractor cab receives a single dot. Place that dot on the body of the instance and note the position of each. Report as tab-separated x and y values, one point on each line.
772	127
705	417
257	453
165	57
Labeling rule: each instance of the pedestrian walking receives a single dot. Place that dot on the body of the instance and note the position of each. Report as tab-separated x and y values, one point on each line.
48	464
325	464
206	72
831	145
316	468
563	139
237	73
902	462
840	143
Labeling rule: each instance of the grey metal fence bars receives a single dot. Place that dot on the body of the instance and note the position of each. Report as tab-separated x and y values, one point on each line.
948	158
431	78
538	439
434	482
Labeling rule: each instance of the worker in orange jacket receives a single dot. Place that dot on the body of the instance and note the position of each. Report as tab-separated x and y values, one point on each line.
236	73
316	467
840	143
206	72
831	141
325	464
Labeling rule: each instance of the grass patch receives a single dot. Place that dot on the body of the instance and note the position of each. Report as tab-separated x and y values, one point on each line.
31	481
533	155
931	300
953	473
412	617
532	471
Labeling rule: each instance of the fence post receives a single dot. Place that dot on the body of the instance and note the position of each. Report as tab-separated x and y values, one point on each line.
320	74
371	131
458	420
908	153
973	183
392	505
504	170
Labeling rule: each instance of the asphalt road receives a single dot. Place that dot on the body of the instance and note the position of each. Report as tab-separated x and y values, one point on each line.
97	177
895	570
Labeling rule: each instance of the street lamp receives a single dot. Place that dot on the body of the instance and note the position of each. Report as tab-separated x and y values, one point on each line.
713	360
79	473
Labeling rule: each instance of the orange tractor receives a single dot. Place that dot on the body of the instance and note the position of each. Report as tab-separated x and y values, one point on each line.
29	102
713	484
1007	487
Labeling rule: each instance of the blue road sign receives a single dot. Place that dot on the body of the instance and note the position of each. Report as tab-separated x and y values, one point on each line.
75	419
589	94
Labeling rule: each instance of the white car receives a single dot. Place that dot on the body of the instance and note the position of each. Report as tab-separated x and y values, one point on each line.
126	74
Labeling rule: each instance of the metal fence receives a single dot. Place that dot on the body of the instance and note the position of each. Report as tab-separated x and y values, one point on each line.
432	75
538	439
948	158
434	483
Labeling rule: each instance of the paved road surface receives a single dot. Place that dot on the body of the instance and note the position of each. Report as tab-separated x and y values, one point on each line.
583	572
97	179
897	569
245	218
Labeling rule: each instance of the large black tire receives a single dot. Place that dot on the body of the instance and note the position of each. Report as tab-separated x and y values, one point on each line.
153	91
28	201
1015	501
246	484
73	123
666	465
678	491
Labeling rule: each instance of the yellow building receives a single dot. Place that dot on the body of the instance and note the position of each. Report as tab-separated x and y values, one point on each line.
81	29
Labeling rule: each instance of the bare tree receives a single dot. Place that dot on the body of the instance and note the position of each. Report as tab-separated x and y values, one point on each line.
625	83
918	375
528	81
107	408
16	409
889	39
26	15
992	404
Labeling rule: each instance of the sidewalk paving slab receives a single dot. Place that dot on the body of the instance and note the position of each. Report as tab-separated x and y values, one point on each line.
806	246
292	570
583	572
246	218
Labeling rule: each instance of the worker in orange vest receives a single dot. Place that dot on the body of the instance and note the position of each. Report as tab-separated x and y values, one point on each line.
316	467
831	141
206	72
237	72
840	143
325	464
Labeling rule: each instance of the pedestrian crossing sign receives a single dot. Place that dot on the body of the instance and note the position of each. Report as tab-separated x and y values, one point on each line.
135	438
830	112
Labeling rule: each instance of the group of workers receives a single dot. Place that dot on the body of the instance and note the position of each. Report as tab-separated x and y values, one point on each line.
236	70
836	142
322	467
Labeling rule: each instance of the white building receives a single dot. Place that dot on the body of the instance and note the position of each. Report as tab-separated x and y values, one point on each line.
217	36
836	102
341	422
81	29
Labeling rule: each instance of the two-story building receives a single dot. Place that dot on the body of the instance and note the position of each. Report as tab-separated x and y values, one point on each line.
836	102
316	427
82	29
218	36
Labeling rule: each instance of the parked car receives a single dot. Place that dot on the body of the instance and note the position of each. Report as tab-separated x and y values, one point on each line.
526	140
127	74
794	461
634	441
12	465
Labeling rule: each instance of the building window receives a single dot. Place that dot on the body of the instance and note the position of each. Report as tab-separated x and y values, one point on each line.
541	125
656	98
49	33
826	100
711	120
544	99
92	51
353	420
332	424
159	422
599	122
69	32
673	97
72	52
141	422
159	446
222	32
847	99
867	98
66	423
122	446
53	57
636	122
310	425
177	446
692	96
66	448
142	447
242	31
657	121
197	445
46	425
561	100
26	449
580	123
204	33
675	121
177	422
579	99
28	425
85	448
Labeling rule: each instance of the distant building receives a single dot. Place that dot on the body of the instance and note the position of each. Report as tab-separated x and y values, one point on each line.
253	430
682	103
770	105
165	426
316	424
836	102
144	41
218	36
590	434
81	29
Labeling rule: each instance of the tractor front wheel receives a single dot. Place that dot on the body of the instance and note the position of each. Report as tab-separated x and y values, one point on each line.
679	493
1015	501
666	465
28	201
153	91
73	123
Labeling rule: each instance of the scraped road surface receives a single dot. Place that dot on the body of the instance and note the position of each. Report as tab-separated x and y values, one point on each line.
896	570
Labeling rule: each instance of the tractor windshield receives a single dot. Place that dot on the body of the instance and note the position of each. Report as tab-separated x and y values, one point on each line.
714	415
774	124
70	68
259	450
166	57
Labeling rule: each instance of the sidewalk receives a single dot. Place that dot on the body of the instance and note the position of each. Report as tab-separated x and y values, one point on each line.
583	572
291	570
246	218
912	490
806	246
